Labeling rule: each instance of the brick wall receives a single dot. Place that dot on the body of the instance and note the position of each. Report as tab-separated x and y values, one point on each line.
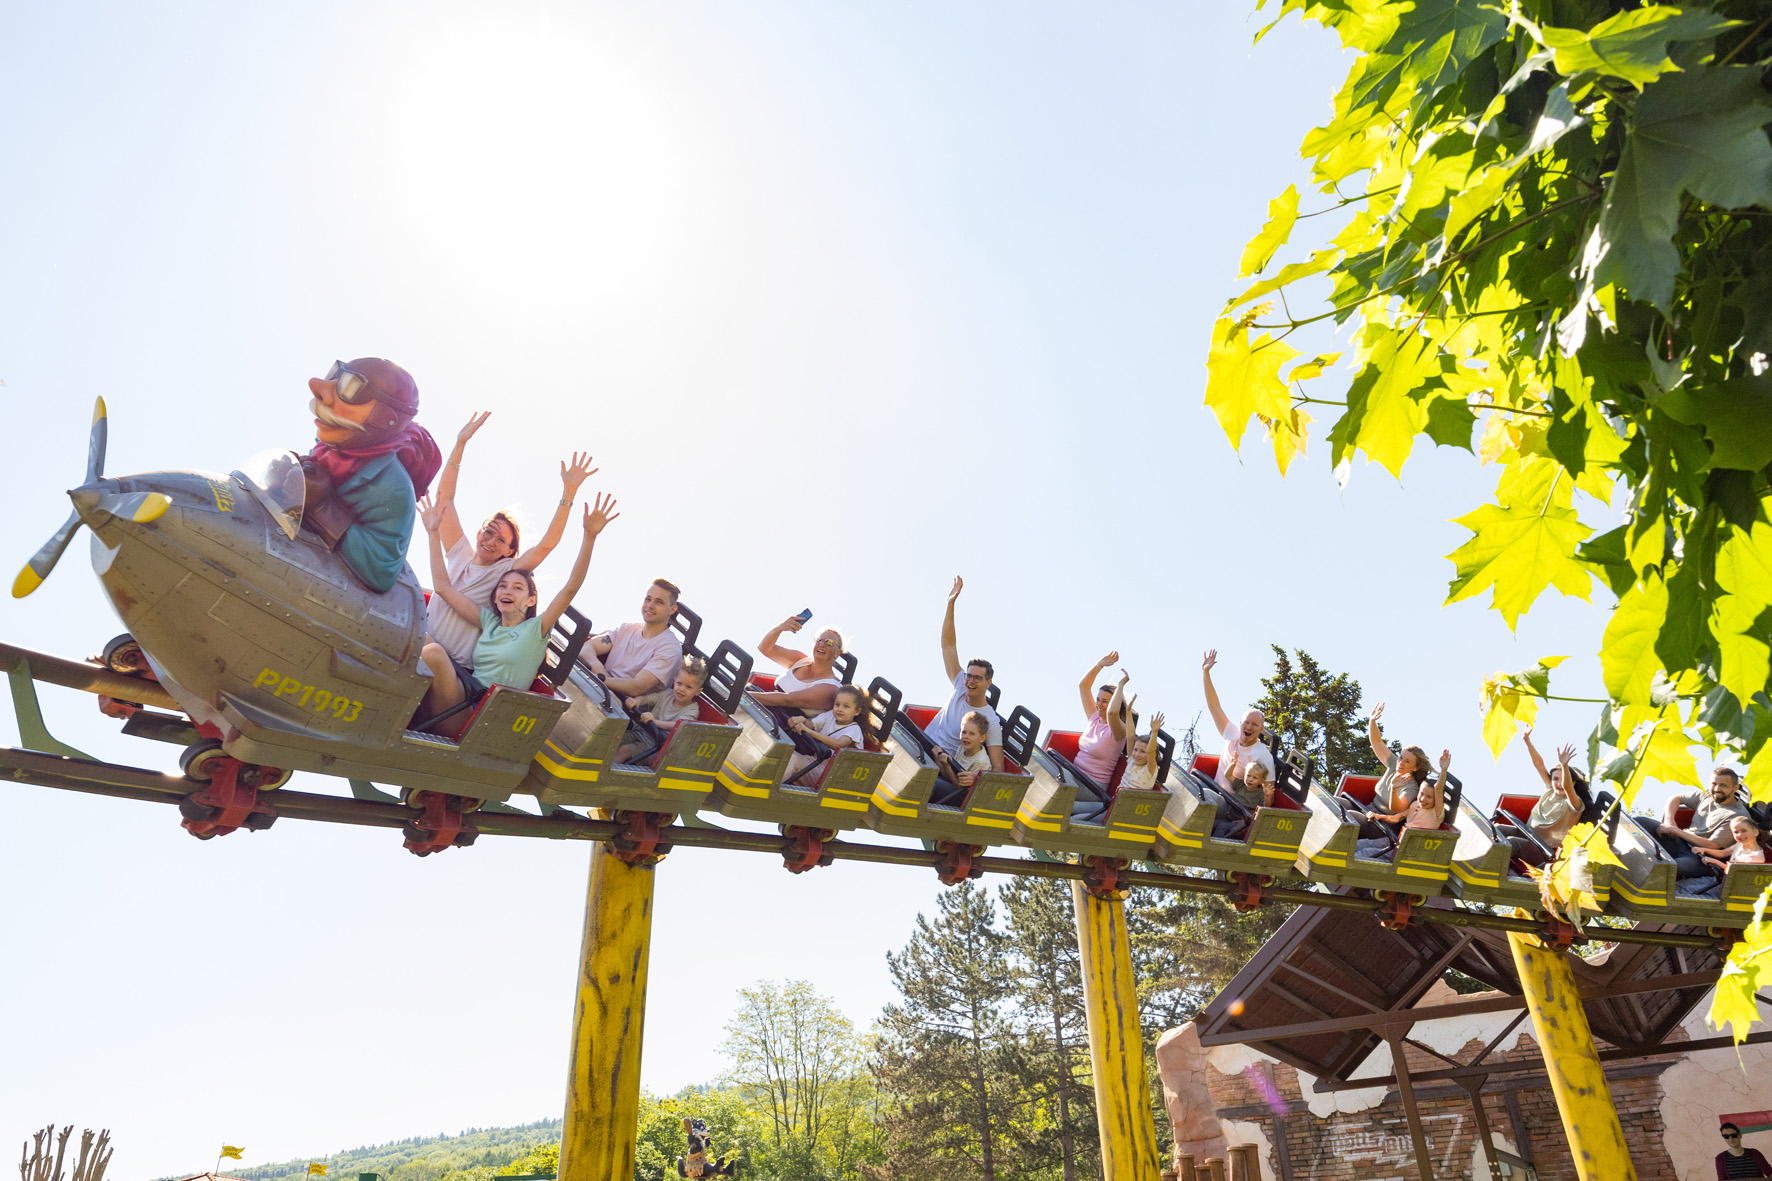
1370	1141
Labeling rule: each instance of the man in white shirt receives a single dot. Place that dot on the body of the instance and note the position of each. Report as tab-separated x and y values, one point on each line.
639	658
972	687
1242	742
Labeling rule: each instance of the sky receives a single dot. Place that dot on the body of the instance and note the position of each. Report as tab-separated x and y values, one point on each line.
846	299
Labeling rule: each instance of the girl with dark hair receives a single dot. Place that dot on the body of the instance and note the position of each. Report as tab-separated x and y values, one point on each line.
513	637
1566	802
844	726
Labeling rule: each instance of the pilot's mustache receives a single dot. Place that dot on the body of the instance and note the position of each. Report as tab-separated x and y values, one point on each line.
324	414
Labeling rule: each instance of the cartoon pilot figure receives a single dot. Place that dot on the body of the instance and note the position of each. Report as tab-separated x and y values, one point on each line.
369	466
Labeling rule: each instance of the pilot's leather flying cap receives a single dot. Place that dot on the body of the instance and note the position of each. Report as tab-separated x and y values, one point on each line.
392	385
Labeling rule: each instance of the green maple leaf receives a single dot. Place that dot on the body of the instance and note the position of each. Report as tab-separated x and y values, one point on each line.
1382	416
1695	132
1666	756
1430	47
1736	417
1282	211
1319	262
1628	663
1243	378
1734	1002
1522	544
1632	45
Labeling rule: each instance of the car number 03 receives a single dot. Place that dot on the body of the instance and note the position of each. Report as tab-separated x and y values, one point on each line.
522	724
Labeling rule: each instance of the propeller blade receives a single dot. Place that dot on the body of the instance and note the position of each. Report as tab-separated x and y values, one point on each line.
140	507
44	560
95	447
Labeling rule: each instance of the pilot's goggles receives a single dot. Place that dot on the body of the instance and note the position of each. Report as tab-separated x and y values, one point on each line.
353	388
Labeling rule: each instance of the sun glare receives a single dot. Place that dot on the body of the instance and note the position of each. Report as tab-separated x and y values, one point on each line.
518	155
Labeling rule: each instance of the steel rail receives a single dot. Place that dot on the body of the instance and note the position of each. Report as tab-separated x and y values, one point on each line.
133	783
77	674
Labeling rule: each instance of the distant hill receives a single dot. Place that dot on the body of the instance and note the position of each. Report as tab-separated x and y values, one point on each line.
474	1155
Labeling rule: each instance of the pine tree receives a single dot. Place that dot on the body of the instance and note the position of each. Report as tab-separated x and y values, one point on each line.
1043	933
1316	713
947	1057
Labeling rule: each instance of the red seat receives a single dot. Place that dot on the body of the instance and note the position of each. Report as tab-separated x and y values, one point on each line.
1362	788
1517	807
1063	742
920	715
1207	765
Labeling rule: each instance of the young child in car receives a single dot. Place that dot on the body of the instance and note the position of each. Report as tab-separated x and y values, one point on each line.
665	708
841	727
1749	847
1141	758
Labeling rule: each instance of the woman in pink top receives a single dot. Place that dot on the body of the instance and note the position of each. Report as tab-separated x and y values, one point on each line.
1105	734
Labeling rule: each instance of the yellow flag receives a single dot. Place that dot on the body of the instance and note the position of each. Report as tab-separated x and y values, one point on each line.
230	1150
316	1170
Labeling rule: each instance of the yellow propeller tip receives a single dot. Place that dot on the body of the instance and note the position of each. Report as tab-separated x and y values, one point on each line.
98	409
27	581
152	508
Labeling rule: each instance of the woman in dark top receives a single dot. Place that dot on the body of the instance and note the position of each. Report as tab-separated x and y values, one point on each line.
1736	1161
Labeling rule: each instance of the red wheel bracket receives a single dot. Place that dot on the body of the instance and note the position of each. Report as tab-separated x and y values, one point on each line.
1399	909
956	864
439	824
1249	890
1554	933
637	843
229	800
1101	876
807	850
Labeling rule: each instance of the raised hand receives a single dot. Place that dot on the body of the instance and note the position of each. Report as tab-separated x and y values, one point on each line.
597	518
793	623
1208	660
1124	677
1565	753
475	422
581	470
1377	712
431	514
1445	760
959	585
1156	723
1111	658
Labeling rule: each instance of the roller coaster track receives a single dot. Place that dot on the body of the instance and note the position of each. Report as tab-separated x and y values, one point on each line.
133	783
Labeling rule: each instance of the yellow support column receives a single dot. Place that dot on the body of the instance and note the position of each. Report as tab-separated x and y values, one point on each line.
1110	999
1577	1078
608	1018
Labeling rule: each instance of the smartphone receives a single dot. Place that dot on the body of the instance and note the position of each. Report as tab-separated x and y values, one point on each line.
804	615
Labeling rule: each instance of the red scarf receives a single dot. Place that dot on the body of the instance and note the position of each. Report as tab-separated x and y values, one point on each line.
416	450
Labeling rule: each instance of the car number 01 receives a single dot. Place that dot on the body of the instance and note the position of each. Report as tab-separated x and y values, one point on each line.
522	724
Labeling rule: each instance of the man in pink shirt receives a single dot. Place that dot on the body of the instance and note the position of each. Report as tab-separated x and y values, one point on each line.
640	658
